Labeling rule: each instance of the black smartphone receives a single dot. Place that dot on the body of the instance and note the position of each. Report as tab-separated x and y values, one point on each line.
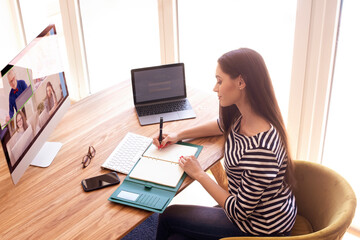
100	181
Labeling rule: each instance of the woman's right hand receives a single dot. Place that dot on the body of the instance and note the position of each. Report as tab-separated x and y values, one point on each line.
167	139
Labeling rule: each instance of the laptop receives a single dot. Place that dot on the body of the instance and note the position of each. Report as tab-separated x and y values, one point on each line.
160	91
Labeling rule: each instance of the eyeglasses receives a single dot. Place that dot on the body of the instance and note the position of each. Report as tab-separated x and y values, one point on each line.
87	158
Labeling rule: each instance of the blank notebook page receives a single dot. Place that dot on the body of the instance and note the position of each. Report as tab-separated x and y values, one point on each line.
161	166
157	171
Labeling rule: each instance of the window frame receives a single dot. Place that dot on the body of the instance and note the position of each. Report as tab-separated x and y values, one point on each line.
312	68
314	52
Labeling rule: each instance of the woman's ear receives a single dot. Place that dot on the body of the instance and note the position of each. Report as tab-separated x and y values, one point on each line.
241	82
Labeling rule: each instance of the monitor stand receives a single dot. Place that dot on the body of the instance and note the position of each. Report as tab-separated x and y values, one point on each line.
46	154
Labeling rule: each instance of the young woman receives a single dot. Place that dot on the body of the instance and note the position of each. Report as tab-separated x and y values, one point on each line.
51	100
21	124
259	200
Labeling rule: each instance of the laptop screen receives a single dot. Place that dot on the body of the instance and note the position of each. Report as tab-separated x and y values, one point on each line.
163	82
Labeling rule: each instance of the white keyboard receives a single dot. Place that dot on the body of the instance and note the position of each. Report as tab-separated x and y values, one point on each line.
127	152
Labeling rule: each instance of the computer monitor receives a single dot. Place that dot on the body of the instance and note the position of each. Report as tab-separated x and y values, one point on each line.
33	99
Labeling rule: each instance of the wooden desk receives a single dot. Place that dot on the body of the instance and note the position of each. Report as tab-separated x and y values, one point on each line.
49	203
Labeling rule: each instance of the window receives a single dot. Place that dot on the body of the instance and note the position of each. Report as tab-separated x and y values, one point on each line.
119	36
36	16
207	29
341	143
10	42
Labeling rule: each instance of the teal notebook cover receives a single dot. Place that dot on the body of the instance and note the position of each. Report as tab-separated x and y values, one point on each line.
147	195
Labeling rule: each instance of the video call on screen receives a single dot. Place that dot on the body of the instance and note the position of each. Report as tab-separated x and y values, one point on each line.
154	84
33	88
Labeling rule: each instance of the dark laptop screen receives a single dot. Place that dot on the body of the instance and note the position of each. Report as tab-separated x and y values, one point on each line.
158	83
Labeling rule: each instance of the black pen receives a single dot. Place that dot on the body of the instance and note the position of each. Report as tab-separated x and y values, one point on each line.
161	127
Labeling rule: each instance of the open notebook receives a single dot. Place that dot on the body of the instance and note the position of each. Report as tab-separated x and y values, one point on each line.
161	166
155	179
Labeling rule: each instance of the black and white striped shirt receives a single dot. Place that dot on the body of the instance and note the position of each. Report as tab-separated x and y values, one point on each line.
261	203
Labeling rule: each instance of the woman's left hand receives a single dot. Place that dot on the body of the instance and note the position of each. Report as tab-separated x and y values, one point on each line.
191	166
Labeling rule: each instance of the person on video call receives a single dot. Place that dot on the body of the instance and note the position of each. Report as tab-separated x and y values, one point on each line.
21	124
51	100
17	87
259	200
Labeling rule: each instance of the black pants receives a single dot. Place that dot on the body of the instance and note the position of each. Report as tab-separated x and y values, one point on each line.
195	222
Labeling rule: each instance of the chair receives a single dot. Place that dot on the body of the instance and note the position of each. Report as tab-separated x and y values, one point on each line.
326	204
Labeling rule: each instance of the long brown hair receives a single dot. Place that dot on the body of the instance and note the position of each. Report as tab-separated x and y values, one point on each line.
259	90
52	93
23	118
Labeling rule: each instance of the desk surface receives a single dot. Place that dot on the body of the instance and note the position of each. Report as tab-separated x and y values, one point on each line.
49	203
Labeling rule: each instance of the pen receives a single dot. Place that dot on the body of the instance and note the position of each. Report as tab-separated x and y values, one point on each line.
161	127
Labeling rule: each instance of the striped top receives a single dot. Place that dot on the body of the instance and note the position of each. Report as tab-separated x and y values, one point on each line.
261	203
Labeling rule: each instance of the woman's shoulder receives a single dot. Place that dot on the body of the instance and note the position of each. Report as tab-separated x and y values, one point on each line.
268	137
266	140
271	143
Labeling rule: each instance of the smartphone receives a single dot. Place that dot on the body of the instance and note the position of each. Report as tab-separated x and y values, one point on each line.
100	181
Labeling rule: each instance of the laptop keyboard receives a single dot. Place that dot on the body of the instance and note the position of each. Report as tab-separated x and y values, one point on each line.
163	108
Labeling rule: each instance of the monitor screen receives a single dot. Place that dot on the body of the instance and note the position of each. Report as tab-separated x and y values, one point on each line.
34	97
